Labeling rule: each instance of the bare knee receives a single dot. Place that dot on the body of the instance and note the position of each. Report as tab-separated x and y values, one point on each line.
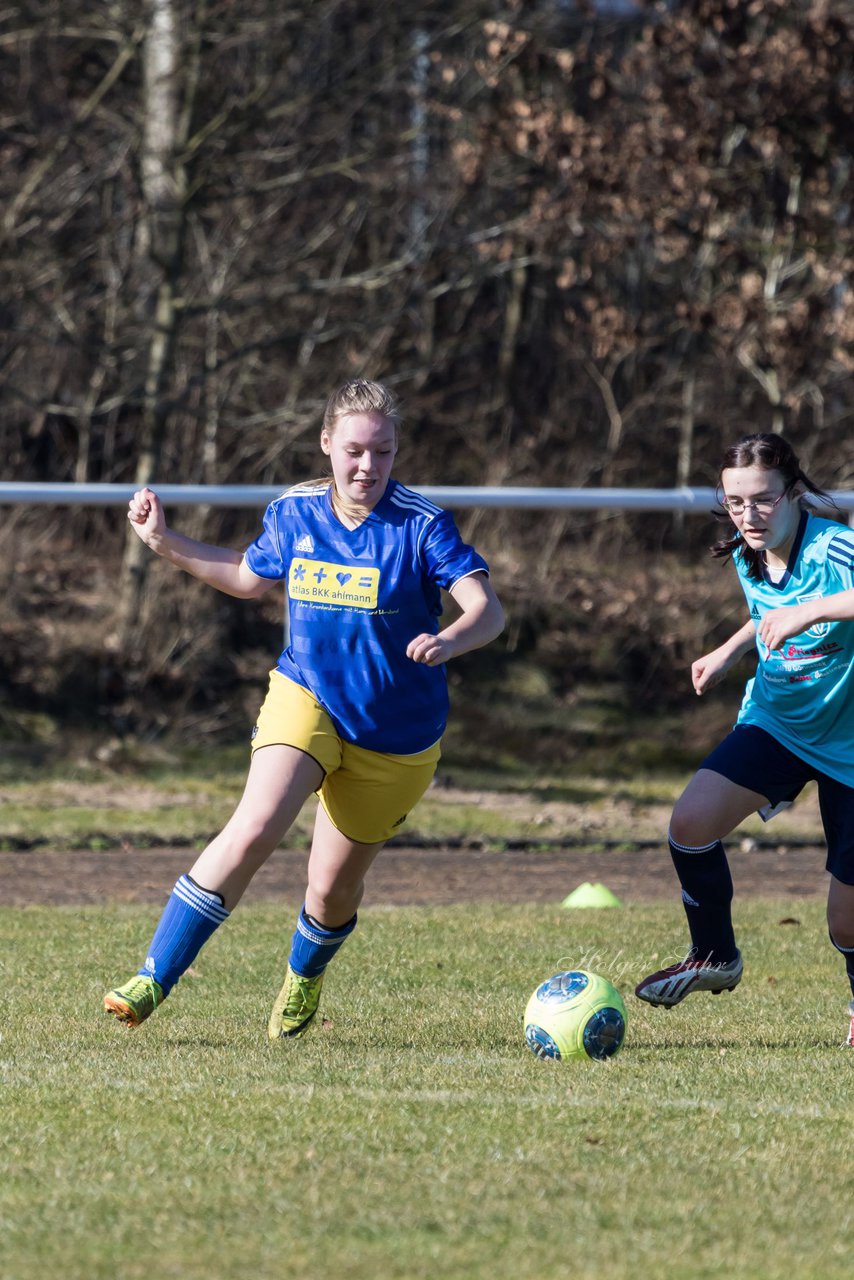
710	808
248	839
332	902
840	912
840	925
691	827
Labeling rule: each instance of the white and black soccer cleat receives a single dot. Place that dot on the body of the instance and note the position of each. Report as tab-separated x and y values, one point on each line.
670	986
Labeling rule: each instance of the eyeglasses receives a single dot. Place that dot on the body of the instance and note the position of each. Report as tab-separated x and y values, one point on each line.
762	506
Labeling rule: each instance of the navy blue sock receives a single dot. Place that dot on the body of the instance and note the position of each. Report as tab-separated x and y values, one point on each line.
707	898
313	945
189	918
848	953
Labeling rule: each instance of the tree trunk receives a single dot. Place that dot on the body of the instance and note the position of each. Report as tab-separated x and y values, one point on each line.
164	187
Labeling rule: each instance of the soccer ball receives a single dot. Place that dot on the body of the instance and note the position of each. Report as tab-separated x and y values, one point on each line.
575	1015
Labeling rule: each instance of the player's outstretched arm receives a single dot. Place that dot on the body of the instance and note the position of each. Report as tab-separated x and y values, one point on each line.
709	670
219	567
481	620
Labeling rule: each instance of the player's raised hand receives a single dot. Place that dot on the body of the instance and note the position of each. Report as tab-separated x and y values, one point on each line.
145	513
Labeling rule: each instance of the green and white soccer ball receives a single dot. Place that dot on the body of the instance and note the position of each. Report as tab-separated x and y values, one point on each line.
575	1015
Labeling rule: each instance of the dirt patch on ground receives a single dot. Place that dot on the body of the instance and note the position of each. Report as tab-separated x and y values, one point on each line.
407	877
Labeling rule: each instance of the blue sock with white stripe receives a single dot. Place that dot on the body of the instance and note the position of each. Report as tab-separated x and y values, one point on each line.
313	945
189	918
706	881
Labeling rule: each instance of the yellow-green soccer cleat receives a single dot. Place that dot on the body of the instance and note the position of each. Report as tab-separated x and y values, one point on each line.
135	1001
295	1006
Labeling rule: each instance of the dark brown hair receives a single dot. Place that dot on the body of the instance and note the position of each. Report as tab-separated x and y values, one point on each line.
772	453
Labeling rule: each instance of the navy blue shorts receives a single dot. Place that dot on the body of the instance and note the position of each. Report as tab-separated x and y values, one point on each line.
754	759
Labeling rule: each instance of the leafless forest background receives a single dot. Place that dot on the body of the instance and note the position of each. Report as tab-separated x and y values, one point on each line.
589	244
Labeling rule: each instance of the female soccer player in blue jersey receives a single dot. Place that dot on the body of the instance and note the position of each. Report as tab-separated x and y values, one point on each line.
357	702
796	721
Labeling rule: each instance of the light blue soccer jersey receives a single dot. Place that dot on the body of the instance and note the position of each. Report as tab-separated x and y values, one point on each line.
803	694
356	597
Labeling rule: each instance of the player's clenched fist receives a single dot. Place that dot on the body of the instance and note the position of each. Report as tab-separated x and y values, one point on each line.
145	513
429	649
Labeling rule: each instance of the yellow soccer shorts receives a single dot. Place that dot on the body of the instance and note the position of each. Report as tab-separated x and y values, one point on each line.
367	795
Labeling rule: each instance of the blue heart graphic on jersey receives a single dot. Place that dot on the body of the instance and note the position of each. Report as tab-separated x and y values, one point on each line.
343	578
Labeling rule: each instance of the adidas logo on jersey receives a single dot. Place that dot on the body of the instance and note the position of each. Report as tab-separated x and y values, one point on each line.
305	543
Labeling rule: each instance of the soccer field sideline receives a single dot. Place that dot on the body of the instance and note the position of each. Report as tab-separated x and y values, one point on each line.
406	876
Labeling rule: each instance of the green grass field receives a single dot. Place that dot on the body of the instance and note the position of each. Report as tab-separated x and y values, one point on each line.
413	1134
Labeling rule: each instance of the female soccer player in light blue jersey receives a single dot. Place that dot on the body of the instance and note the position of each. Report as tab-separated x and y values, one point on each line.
357	702
796	721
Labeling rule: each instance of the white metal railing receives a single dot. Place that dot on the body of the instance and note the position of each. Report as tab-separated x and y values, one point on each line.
698	501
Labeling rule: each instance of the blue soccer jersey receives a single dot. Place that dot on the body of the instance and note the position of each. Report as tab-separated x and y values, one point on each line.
356	597
803	693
